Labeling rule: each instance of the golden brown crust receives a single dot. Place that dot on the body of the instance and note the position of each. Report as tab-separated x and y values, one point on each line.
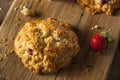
46	46
97	6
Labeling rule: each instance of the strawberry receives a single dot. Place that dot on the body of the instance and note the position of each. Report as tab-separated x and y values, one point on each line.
97	43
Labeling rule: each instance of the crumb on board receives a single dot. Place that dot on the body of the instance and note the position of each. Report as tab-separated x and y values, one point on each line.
88	74
15	26
109	30
95	27
3	40
27	12
0	9
18	19
21	5
6	55
15	8
87	70
11	51
1	59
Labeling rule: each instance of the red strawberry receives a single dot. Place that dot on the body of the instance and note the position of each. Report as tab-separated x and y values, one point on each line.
97	43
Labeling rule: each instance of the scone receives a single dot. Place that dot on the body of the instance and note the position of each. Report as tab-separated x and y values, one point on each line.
46	45
97	6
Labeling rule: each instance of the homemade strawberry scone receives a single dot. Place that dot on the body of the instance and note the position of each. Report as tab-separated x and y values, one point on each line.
46	45
97	6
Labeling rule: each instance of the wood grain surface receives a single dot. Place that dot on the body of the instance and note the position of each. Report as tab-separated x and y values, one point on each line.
4	5
11	66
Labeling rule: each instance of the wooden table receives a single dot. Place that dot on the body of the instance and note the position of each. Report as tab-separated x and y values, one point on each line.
115	69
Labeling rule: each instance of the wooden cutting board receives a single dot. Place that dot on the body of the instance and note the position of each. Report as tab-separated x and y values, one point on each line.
11	67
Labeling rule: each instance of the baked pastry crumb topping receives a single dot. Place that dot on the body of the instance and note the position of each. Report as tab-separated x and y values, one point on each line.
46	45
97	6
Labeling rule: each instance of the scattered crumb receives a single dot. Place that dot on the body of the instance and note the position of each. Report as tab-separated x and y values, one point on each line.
100	17
86	70
15	26
92	28
6	55
15	8
11	51
95	27
109	30
27	12
1	59
21	5
24	7
88	74
0	9
5	39
18	19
